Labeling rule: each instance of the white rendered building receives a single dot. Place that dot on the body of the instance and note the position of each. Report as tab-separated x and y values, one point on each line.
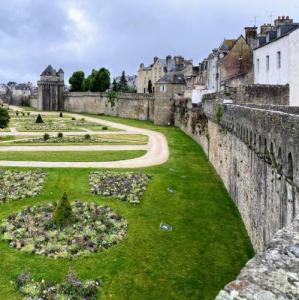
276	58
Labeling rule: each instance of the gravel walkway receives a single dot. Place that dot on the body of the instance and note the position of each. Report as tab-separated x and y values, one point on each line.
157	148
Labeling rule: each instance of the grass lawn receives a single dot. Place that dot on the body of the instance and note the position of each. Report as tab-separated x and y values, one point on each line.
206	249
70	155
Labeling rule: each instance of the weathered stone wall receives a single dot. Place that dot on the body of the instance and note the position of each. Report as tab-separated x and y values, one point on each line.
256	153
20	100
273	274
34	102
262	94
125	105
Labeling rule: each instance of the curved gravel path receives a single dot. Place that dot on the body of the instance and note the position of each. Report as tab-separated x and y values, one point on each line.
157	149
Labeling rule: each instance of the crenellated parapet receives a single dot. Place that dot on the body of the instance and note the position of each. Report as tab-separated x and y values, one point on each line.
272	132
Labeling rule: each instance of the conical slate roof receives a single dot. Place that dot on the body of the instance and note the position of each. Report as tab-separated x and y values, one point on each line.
49	71
60	71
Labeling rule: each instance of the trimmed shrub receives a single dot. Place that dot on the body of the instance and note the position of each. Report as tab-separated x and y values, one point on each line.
60	135
104	128
63	212
87	136
4	118
73	119
46	137
39	119
61	115
17	112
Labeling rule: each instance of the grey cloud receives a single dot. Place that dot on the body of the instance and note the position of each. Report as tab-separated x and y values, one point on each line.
119	34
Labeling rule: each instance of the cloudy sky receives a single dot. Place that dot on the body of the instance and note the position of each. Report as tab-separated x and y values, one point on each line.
119	34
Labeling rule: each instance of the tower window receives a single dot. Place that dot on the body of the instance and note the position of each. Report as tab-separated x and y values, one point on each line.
267	62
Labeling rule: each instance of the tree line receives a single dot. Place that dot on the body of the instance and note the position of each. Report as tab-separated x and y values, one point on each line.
98	81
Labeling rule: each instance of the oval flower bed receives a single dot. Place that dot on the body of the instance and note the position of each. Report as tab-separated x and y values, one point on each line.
20	184
71	288
126	186
93	228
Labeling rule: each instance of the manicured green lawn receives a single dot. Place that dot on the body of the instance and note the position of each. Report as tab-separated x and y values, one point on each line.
206	249
71	155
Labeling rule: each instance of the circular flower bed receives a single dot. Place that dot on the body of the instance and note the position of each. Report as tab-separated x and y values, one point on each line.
17	185
126	186
93	228
71	288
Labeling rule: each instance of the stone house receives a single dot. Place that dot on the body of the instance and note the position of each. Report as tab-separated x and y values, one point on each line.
166	89
235	68
276	58
158	69
213	78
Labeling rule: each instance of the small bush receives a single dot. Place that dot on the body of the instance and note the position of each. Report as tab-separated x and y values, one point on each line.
17	112
4	118
82	120
73	119
87	136
46	137
28	113
60	135
63	212
219	113
104	128
61	115
39	119
23	114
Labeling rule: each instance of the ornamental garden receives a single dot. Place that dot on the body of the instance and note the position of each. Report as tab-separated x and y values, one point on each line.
87	233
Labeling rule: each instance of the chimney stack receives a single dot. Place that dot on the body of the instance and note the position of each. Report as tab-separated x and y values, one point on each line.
251	36
283	21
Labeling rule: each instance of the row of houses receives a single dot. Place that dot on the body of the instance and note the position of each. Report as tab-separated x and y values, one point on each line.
17	93
265	56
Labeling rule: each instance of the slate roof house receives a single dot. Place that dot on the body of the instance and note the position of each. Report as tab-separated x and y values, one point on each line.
276	57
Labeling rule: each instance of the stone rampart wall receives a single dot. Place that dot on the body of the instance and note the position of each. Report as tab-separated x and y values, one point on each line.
262	94
125	105
256	153
273	274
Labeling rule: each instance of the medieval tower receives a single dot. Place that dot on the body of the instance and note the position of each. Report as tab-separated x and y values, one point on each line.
51	89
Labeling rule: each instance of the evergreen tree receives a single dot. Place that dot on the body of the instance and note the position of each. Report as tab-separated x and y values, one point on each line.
100	80
123	83
104	80
4	118
94	83
114	85
76	81
63	212
39	119
86	84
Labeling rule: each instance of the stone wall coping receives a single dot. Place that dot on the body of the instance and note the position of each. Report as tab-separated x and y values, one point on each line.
131	96
273	274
